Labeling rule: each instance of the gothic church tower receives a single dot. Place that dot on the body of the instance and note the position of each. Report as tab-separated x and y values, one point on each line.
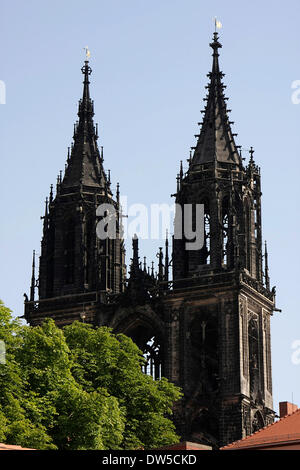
77	269
221	289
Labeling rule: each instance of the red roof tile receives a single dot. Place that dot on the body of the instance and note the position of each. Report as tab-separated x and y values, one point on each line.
287	429
11	447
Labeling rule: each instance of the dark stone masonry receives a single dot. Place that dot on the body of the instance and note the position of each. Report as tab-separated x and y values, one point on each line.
205	325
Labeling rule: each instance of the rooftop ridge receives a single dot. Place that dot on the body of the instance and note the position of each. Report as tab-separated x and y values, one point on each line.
268	438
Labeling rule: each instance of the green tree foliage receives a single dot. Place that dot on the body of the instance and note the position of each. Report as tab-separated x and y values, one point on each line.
79	388
101	359
16	427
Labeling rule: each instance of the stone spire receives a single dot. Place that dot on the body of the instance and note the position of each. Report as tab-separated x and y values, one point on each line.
85	164
216	140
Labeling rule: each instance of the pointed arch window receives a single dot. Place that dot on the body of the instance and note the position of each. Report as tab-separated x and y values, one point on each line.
88	250
247	235
205	250
152	354
205	351
69	252
225	232
253	341
151	345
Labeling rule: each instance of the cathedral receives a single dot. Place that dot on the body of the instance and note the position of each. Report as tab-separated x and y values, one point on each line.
202	320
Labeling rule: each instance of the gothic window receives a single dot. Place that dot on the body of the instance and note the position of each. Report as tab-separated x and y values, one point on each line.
50	257
88	250
253	356
205	251
225	238
255	222
225	233
247	235
152	354
151	345
204	361
69	252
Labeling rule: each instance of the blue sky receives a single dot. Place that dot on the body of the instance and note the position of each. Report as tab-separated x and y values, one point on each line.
150	61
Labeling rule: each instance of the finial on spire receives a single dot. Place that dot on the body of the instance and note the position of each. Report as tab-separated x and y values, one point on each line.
86	70
215	45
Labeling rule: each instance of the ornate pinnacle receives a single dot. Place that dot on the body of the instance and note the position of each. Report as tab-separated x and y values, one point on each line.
118	194
51	193
267	278
181	171
160	264
167	257
86	70
32	287
215	45
178	183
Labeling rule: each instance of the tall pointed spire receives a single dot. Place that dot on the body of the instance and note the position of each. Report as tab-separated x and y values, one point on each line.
85	164
216	140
